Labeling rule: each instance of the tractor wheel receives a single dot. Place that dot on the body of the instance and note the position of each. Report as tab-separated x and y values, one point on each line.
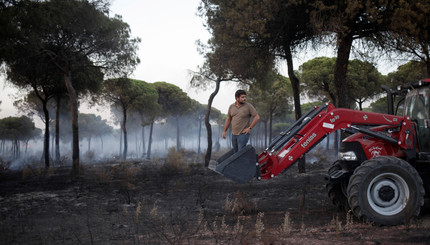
385	191
337	191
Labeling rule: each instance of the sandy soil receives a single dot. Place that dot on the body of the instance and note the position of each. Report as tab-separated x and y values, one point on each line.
149	203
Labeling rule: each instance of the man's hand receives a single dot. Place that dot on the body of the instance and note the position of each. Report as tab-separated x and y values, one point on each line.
246	131
223	134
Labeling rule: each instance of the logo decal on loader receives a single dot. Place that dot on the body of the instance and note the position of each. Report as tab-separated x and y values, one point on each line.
375	151
309	140
388	120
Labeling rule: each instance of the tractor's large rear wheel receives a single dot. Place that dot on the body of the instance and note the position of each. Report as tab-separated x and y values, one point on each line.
385	191
337	190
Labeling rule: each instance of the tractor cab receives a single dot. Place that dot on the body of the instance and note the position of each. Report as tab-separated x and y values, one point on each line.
417	106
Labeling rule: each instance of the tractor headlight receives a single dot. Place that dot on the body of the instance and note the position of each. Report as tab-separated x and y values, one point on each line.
347	156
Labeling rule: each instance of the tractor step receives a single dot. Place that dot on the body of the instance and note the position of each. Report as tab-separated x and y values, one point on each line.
240	167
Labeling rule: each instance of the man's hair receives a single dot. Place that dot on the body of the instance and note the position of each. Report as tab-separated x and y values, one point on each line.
239	93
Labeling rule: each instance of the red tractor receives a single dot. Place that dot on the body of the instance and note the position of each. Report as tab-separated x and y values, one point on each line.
383	170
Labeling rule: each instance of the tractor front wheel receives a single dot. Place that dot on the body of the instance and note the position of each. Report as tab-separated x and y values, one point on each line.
385	191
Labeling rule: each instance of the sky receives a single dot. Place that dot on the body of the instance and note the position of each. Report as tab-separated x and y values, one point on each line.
168	52
169	30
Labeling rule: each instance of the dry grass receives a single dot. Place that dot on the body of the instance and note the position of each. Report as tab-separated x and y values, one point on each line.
349	220
235	221
239	205
287	225
27	172
37	172
103	176
336	224
259	225
176	159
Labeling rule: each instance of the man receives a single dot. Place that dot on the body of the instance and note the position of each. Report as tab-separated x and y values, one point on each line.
239	115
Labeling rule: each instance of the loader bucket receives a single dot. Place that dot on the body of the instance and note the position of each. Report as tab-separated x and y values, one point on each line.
240	167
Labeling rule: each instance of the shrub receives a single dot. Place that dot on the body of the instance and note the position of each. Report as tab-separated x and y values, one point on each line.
176	159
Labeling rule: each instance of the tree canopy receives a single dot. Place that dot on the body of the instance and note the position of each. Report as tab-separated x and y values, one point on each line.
16	129
363	80
70	36
409	31
175	102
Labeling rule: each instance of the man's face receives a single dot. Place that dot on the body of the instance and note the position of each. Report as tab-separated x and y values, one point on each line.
241	99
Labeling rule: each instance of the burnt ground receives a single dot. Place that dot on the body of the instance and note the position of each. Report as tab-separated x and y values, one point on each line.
149	203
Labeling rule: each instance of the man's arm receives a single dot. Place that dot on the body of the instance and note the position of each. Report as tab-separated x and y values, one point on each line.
226	125
253	123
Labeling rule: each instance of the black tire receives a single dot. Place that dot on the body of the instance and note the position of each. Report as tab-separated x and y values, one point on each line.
385	191
337	191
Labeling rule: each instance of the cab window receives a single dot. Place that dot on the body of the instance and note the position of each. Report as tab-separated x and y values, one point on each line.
417	103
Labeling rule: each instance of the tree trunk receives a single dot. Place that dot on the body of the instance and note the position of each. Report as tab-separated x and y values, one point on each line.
46	137
218	144
124	128
207	123
75	126
101	142
340	69
178	140
295	84
120	142
265	135
200	135
143	141
148	154
57	131
328	142
136	144
270	124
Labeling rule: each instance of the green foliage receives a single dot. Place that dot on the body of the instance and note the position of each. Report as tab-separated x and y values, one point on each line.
248	37
172	99
18	129
363	80
174	102
93	126
123	93
409	72
217	116
273	98
73	39
280	127
306	107
317	76
146	104
379	106
410	34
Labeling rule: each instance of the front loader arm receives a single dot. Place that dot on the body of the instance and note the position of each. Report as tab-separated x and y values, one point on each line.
320	122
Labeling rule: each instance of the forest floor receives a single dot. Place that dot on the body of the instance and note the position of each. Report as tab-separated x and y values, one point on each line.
142	202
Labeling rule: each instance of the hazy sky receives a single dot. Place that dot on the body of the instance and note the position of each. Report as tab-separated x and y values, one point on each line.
169	30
